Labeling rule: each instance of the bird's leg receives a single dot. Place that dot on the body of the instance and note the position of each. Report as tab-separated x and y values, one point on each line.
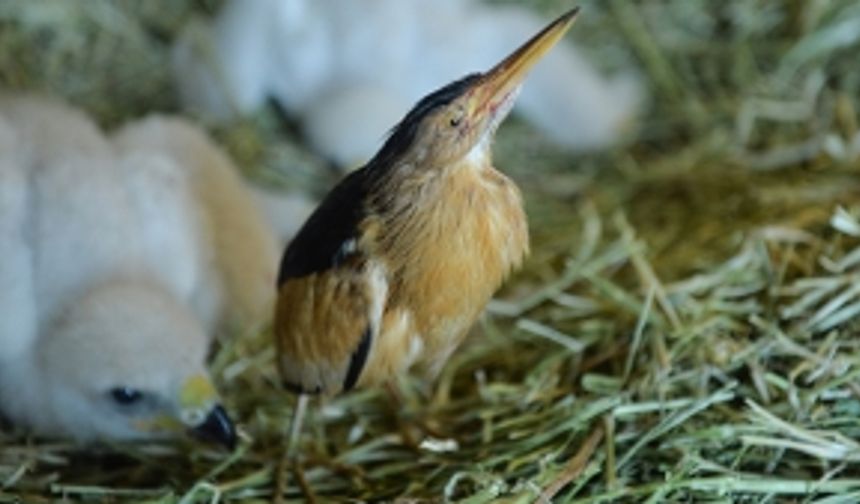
289	460
296	424
408	433
413	430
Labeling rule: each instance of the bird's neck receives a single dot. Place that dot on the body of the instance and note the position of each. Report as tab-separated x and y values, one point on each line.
479	157
467	212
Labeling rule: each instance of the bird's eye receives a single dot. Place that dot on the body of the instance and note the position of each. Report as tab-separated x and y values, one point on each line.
456	118
126	396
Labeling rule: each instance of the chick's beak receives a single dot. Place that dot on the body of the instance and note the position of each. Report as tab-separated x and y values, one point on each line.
217	427
201	412
496	87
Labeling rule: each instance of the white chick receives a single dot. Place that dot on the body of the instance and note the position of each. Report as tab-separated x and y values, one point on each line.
104	343
349	70
330	122
242	250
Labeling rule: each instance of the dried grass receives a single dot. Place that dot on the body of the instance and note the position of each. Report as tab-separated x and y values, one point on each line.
685	330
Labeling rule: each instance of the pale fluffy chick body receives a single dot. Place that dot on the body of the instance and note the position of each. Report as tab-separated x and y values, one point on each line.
113	271
330	61
240	245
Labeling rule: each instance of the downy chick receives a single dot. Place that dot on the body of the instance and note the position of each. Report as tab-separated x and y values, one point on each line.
240	246
103	343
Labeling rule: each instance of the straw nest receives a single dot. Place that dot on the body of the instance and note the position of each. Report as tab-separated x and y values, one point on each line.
686	327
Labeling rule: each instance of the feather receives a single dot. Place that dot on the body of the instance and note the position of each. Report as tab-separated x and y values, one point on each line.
335	222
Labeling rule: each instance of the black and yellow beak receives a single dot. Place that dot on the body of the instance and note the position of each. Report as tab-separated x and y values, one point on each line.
495	86
217	427
201	412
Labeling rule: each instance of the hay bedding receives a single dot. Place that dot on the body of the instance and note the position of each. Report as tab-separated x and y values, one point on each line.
685	330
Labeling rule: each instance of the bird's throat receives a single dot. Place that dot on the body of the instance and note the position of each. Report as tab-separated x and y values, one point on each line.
479	156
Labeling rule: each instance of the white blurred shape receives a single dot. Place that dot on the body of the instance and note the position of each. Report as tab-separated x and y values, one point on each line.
121	257
328	59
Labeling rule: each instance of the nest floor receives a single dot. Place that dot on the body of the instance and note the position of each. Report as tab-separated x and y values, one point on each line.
685	330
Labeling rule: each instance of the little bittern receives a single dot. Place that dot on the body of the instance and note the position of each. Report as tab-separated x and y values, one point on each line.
402	256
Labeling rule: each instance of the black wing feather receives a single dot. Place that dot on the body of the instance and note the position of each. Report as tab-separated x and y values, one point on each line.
357	361
315	247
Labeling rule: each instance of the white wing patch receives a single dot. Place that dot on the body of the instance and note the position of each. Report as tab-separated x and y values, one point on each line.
378	293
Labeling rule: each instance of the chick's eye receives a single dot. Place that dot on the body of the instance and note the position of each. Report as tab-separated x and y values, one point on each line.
126	395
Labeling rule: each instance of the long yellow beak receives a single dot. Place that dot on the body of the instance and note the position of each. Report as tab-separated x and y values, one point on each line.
503	79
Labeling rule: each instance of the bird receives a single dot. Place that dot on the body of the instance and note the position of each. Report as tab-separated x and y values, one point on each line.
119	274
400	258
345	71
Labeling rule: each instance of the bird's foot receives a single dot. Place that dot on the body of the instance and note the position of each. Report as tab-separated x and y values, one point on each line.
417	429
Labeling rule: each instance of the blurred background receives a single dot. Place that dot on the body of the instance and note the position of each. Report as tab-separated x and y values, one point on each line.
690	298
